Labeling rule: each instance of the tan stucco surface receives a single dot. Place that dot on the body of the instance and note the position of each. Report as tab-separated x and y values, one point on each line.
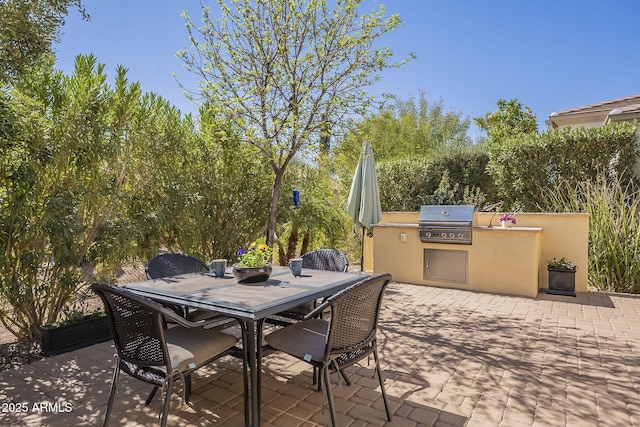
507	261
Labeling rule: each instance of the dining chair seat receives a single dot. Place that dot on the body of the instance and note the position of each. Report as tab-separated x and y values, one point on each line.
302	339
195	345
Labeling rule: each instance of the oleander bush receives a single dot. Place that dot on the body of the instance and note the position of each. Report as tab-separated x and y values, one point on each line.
94	176
62	179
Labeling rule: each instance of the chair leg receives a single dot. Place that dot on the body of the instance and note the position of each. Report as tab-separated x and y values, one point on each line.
327	385
167	402
344	376
112	393
151	395
379	371
187	388
317	379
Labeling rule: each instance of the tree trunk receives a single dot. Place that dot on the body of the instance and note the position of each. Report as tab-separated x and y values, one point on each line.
293	242
306	238
273	211
281	255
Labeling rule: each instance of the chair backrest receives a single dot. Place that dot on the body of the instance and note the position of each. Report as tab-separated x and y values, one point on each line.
326	259
354	315
166	265
136	326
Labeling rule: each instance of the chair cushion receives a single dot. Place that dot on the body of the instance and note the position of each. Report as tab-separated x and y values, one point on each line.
195	345
308	337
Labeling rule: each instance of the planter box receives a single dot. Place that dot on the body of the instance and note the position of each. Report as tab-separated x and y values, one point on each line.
61	339
562	282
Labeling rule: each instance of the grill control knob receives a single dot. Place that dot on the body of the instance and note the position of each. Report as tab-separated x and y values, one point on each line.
427	234
443	235
451	235
460	235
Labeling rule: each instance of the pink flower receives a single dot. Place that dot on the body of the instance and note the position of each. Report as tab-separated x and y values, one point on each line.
508	217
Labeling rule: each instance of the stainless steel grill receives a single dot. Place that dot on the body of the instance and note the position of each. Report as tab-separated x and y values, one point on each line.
446	223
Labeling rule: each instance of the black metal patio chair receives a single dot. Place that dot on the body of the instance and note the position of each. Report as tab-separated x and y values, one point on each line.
346	338
320	259
326	259
175	264
148	351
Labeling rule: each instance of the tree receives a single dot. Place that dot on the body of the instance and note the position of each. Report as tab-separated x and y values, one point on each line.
280	70
509	120
405	129
319	219
29	27
411	127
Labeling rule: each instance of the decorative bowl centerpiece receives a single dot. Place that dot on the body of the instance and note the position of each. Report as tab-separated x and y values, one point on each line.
251	274
253	264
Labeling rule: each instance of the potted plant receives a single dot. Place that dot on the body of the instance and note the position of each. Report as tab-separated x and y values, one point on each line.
562	277
507	220
80	327
254	264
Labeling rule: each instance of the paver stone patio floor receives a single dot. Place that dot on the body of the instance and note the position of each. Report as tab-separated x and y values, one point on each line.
450	358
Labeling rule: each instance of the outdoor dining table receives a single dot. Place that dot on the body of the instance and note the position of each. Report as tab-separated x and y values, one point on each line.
250	303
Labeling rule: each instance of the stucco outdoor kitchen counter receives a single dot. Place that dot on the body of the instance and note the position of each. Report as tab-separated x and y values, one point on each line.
498	260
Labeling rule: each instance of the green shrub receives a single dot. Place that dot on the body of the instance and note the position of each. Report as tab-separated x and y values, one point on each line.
93	176
525	168
454	177
63	156
614	229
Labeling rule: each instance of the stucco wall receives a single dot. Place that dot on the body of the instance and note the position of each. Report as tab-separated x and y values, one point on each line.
537	238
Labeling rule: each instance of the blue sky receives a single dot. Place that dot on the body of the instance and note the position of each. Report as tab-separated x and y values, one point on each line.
549	54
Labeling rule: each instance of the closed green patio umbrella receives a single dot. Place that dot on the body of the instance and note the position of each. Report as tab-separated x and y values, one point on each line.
363	205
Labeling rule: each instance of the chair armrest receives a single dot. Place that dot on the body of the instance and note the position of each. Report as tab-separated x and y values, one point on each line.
172	316
318	310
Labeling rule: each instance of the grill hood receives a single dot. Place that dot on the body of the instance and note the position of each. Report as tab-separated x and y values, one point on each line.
446	215
446	223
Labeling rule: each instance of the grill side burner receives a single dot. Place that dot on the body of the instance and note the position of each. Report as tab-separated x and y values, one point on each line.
446	224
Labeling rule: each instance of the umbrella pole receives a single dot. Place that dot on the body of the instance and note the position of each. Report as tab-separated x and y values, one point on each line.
362	252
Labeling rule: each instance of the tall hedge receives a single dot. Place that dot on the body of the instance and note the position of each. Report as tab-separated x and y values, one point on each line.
520	172
526	168
453	177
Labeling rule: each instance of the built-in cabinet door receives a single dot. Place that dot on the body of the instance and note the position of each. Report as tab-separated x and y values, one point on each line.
446	265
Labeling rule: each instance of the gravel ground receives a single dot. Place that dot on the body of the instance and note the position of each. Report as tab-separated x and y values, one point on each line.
15	352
